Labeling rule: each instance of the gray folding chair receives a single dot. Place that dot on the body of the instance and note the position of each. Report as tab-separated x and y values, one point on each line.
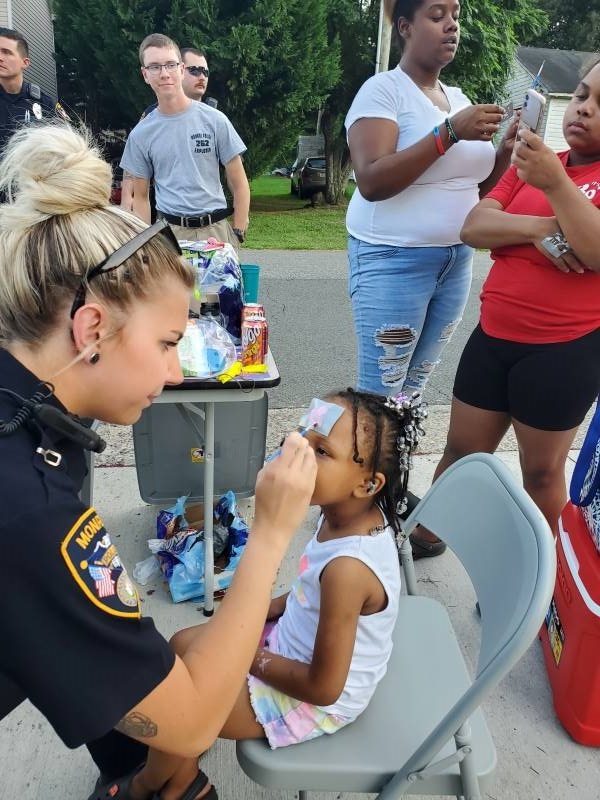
423	732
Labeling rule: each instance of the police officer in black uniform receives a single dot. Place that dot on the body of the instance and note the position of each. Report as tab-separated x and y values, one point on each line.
21	102
95	303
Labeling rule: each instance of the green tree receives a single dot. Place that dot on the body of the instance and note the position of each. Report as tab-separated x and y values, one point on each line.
270	61
573	25
490	32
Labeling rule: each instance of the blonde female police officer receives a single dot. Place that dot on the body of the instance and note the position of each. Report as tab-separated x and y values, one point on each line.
92	305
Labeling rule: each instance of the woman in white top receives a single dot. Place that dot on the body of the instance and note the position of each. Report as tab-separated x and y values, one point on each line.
421	153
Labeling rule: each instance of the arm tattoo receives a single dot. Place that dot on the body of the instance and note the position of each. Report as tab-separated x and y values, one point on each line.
137	725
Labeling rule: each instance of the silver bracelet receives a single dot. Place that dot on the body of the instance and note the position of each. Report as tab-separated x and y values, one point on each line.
556	245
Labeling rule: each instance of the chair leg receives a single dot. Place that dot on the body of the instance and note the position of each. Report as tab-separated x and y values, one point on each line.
470	782
408	566
302	795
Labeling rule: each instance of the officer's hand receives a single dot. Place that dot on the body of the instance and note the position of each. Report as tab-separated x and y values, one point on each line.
284	488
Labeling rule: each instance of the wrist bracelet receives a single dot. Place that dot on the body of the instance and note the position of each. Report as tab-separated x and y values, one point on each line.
450	129
438	141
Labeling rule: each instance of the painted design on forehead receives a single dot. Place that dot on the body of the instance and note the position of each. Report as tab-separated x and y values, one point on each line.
321	416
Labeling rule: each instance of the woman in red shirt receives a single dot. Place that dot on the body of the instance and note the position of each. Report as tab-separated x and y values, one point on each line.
533	361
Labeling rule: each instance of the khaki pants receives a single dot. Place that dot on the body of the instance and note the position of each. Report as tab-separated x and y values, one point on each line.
221	231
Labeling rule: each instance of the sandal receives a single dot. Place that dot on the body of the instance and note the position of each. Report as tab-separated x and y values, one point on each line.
422	548
114	790
196	786
119	789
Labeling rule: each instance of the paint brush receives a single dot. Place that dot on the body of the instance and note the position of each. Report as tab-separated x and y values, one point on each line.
303	432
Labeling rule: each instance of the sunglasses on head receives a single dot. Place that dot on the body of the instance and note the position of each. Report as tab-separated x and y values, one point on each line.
197	71
160	228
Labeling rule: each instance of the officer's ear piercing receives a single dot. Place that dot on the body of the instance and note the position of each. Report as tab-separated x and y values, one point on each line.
94	358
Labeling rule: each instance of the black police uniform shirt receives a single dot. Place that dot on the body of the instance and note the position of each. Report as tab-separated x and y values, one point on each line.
22	108
73	639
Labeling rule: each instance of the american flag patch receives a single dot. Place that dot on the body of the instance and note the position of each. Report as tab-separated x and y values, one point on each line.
104	583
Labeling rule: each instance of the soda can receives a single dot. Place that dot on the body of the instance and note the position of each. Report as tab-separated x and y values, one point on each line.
253	310
254	341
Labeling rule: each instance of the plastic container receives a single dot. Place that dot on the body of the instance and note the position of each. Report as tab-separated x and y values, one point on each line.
169	453
251	278
571	636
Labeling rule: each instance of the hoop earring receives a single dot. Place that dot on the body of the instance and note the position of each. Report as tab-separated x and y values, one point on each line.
94	358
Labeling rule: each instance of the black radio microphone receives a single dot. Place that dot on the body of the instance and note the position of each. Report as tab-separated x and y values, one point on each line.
69	426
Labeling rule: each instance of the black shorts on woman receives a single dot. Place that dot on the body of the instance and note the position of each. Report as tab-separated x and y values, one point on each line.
546	386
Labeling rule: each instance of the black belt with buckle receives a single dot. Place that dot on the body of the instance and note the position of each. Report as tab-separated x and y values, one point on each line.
197	222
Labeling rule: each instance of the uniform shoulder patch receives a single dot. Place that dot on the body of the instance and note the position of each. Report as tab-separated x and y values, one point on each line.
94	563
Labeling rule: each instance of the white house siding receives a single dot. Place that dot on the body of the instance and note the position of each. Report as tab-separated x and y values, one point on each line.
553	135
33	19
3	14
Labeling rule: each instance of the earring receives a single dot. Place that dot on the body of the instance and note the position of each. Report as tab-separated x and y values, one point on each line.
371	486
94	358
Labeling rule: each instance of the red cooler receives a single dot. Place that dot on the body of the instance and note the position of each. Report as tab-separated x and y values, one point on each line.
571	638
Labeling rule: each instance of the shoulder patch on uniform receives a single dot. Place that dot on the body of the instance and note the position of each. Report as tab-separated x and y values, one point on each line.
94	563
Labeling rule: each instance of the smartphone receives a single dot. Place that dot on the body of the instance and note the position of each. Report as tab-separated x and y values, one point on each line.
532	111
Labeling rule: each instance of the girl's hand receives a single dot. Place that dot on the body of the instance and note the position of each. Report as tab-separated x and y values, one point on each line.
536	163
284	488
509	139
548	226
478	123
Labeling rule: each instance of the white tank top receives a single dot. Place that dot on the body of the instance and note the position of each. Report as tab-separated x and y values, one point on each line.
297	627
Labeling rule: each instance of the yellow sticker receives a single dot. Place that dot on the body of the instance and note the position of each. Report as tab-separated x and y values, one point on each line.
197	455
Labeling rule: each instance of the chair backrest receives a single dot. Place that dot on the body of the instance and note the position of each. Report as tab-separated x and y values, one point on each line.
508	551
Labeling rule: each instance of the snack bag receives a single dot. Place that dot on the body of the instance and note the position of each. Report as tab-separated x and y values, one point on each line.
218	269
179	547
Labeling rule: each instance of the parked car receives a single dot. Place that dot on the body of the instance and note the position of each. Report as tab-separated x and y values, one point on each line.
283	172
308	177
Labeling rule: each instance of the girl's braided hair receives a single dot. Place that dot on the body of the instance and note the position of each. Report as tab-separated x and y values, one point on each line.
396	429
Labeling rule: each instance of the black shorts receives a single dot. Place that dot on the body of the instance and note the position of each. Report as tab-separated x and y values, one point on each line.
546	386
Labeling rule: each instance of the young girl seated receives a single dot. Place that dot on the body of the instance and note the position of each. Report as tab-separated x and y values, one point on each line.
328	640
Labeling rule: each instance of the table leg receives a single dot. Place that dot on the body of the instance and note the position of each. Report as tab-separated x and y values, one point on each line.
209	490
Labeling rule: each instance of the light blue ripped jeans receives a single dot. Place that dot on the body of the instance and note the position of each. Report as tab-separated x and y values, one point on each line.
407	303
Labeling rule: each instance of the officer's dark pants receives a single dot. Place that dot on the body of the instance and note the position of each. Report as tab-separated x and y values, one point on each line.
115	754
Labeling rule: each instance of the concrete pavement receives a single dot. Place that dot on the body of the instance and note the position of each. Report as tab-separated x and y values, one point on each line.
536	758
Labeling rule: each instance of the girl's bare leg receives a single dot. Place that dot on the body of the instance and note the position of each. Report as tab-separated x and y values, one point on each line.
543	455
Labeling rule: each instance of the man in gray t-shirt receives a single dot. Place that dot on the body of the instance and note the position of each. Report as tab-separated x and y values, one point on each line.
181	144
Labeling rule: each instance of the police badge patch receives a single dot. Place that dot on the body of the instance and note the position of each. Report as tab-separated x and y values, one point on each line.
93	561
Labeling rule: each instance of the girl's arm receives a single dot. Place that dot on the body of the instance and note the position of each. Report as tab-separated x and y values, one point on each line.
578	218
489	226
277	606
346	586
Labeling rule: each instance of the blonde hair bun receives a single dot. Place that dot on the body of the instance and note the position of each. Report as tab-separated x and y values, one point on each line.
51	170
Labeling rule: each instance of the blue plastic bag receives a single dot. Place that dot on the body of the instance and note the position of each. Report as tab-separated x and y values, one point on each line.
180	550
585	483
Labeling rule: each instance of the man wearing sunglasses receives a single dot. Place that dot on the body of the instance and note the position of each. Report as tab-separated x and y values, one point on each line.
181	144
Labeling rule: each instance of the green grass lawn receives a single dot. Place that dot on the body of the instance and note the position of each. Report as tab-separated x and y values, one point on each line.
280	221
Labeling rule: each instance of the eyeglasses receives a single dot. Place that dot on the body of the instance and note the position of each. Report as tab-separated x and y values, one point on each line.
156	69
197	71
160	228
